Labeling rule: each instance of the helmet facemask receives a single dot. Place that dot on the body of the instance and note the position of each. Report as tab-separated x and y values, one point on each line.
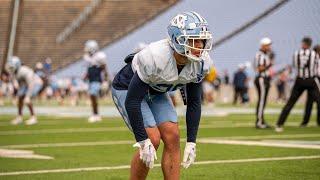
10	68
192	50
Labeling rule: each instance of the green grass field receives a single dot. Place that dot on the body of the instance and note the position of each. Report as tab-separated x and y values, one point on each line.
73	143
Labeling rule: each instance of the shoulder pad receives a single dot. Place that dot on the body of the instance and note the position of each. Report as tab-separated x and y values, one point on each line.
129	58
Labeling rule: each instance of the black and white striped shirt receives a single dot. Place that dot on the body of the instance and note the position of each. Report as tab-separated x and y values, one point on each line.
317	66
304	61
262	59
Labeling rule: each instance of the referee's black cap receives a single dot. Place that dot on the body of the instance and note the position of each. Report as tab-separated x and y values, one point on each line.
316	48
307	40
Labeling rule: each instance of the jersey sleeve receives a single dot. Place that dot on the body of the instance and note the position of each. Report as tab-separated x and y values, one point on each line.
193	113
137	90
86	63
260	60
295	59
143	64
101	58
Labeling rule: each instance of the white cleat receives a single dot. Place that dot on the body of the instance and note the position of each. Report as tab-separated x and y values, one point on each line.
32	121
278	129
94	118
91	119
17	120
98	118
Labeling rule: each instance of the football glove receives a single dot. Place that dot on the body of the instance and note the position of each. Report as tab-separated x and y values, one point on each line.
147	152
189	154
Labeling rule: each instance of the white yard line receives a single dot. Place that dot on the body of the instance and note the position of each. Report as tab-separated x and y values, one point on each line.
111	111
156	165
80	130
211	124
57	131
259	143
294	141
102	143
122	128
26	154
272	136
69	144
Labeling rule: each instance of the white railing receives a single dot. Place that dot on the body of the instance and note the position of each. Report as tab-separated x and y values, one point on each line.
13	29
76	23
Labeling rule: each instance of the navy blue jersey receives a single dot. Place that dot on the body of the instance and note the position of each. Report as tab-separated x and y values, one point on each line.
94	74
122	80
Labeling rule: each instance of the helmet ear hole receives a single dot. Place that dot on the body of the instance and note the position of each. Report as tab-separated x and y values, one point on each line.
176	40
181	40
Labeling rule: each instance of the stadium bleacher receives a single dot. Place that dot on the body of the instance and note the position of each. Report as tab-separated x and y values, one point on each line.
42	21
4	15
298	17
286	26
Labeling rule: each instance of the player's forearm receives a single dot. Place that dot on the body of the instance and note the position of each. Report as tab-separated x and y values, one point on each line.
193	113
193	116
136	92
15	84
264	68
261	68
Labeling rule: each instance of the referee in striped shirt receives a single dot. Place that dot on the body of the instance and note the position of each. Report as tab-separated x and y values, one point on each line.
304	61
263	62
310	101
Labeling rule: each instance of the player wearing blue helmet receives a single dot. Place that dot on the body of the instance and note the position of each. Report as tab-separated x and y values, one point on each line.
28	85
140	92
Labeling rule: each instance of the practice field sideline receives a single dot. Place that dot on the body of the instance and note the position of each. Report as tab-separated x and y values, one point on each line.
111	111
228	148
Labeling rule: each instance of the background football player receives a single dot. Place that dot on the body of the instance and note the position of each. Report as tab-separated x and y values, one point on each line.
96	70
139	91
28	84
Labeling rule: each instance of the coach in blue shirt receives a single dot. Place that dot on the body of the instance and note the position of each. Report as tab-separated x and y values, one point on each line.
240	84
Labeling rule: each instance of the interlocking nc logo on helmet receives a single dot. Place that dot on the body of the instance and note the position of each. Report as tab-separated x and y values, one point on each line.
185	31
179	21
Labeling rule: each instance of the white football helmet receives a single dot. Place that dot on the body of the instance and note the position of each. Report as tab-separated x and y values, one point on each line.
39	65
13	64
265	41
91	46
184	29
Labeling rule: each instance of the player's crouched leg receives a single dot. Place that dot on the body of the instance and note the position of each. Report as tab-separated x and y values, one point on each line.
171	153
138	169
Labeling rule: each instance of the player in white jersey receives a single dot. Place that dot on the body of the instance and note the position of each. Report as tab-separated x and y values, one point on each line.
139	91
96	69
28	84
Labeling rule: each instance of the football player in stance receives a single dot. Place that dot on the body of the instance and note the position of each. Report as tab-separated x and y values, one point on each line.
96	71
140	92
28	84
